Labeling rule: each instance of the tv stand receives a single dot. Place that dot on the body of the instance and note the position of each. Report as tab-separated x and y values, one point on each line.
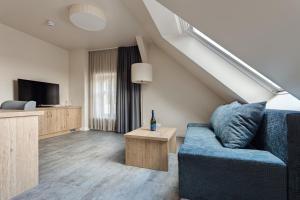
59	120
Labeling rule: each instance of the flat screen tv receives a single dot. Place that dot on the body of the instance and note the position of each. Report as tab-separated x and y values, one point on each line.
45	94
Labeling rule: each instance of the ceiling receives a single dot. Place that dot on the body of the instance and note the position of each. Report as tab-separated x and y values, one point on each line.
30	16
125	20
265	34
262	33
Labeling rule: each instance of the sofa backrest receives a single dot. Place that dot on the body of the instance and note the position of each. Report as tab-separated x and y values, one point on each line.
18	105
273	133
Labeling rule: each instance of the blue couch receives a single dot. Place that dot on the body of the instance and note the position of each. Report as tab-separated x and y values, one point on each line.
268	170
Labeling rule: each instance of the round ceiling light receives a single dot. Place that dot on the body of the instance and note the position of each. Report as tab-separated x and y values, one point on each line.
87	17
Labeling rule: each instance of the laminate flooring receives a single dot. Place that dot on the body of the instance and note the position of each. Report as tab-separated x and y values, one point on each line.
90	165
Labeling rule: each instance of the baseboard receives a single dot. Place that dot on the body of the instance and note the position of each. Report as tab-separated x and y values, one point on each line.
53	135
60	133
84	129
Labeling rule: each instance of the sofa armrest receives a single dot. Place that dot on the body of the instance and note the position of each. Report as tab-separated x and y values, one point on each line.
197	125
293	124
222	173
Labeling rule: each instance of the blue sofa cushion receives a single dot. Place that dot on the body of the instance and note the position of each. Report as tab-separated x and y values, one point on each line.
243	125
201	135
222	116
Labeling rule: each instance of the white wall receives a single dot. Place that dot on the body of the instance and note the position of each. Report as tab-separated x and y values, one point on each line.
284	101
79	82
26	57
175	94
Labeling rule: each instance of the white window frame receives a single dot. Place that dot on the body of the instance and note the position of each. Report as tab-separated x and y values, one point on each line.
232	59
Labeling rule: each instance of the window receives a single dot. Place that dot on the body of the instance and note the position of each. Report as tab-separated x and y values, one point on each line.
105	94
229	57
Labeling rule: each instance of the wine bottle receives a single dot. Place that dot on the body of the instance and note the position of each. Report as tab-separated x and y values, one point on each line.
153	122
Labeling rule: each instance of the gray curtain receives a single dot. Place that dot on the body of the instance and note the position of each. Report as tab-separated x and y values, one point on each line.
128	111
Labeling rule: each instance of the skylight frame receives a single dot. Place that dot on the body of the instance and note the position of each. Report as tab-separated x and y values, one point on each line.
229	57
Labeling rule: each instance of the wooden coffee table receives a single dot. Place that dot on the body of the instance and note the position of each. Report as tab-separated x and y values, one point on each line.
149	149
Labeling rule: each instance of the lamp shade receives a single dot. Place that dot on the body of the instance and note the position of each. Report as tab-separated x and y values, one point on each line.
141	73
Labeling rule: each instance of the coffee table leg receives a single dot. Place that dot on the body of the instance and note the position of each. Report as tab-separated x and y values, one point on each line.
157	155
147	154
173	144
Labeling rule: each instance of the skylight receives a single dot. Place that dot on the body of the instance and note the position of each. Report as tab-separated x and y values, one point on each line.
229	57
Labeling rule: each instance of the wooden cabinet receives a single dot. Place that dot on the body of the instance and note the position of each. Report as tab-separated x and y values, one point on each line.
18	152
43	123
73	122
59	120
62	120
52	121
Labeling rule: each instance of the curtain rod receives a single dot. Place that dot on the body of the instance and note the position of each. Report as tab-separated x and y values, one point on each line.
110	48
103	49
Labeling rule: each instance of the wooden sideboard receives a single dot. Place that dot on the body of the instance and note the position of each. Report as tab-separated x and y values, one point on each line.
18	152
59	120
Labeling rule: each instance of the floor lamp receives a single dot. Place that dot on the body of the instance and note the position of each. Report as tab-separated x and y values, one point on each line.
141	73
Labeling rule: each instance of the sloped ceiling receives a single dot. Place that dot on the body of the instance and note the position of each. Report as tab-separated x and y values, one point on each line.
125	20
206	59
124	23
265	34
141	13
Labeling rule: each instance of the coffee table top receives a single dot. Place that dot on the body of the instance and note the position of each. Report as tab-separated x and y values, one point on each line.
162	134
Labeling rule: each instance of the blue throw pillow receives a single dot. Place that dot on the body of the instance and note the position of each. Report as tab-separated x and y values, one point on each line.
221	117
242	125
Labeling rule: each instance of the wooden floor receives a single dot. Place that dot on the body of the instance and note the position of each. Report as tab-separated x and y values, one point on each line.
90	165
